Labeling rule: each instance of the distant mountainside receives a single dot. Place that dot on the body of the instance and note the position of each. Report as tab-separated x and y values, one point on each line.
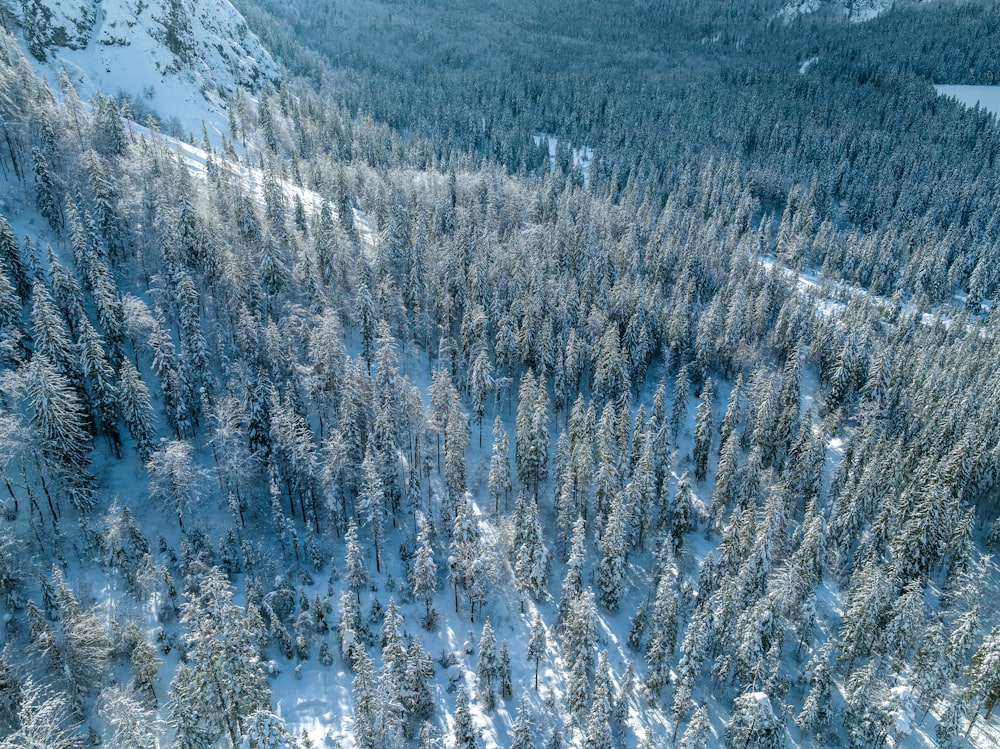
856	11
174	56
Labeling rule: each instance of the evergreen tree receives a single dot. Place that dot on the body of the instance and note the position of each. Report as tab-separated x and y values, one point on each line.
682	512
703	432
15	262
466	552
455	443
174	479
537	644
356	570
52	339
463	732
984	674
866	692
95	367
864	612
416	696
488	667
132	724
506	673
620	708
423	573
663	636
57	420
531	557
753	723
531	443
499	481
10	304
136	409
45	191
611	573
222	683
520	732
265	730
679	404
695	736
371	505
816	714
598	732
481	386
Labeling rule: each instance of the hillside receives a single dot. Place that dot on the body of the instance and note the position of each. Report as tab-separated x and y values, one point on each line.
316	432
183	61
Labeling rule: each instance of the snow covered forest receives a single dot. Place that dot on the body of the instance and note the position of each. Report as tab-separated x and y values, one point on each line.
594	375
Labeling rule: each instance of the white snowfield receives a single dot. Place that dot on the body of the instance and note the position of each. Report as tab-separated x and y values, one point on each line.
984	97
855	11
118	46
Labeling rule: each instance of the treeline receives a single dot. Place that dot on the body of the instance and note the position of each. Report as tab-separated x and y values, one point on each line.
907	180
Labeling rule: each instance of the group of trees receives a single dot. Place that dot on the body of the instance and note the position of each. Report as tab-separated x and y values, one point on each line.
648	374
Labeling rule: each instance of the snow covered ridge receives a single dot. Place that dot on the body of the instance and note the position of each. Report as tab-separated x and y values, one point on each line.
174	56
855	11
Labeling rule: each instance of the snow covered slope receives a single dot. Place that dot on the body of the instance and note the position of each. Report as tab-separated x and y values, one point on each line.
855	11
177	58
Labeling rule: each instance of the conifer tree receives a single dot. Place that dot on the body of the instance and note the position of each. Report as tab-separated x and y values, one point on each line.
611	573
416	697
499	481
572	585
520	732
174	479
10	304
423	574
222	683
531	557
598	732
481	387
132	724
815	714
45	191
463	731
695	736
506	674
136	409
622	703
57	420
455	443
371	505
984	675
265	730
488	667
703	432
531	441
15	261
753	723
537	644
679	404
356	572
682	512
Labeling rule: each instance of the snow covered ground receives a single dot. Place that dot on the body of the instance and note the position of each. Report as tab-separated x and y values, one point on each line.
985	97
117	47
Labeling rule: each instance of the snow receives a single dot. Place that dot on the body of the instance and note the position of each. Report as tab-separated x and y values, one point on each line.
582	157
984	97
855	11
806	64
902	716
123	50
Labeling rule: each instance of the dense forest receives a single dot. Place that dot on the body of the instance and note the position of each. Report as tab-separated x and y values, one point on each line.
387	419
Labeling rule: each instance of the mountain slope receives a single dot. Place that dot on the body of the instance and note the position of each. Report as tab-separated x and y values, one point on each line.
177	58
